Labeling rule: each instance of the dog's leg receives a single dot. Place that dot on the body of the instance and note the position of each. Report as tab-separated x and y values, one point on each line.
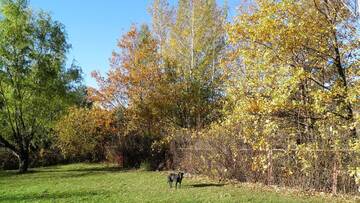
176	185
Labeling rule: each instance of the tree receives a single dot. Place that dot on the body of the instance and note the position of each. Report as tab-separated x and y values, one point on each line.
162	19
34	84
312	64
195	44
297	85
132	89
133	79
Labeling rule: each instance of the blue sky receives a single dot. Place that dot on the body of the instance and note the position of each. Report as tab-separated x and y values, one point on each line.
93	27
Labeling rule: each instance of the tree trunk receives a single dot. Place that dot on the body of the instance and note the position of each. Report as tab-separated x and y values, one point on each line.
334	177
270	177
23	162
342	74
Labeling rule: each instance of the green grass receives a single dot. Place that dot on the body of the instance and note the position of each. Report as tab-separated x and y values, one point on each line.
98	183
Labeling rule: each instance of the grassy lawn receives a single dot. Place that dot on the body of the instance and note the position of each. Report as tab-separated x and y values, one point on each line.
98	183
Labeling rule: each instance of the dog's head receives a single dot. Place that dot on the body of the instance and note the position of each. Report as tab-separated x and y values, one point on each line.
181	174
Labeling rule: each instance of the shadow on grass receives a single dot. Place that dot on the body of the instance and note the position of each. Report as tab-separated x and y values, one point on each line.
199	185
95	169
50	197
4	174
76	173
10	173
65	173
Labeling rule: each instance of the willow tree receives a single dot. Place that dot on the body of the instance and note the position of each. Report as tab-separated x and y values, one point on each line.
34	84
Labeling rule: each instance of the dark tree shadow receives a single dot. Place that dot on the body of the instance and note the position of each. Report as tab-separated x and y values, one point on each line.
10	173
48	197
95	169
207	185
7	174
63	173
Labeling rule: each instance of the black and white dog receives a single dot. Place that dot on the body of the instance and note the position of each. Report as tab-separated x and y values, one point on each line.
175	177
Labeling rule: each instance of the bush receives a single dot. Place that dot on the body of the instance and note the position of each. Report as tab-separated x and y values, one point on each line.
8	161
145	166
85	133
